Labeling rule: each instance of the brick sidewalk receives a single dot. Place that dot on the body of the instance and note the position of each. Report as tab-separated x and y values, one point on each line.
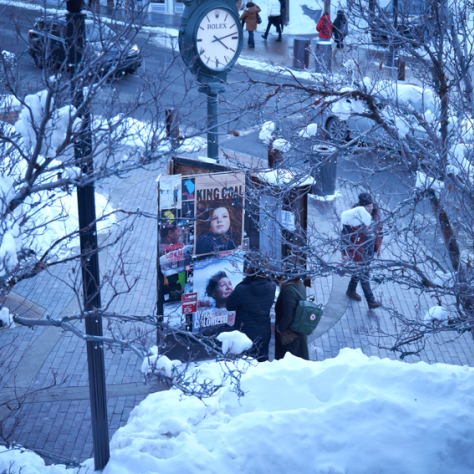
58	420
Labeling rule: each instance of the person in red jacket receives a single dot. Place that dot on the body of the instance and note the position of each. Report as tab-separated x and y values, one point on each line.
324	27
361	243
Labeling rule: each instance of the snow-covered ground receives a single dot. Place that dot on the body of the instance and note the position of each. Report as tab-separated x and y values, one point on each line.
352	414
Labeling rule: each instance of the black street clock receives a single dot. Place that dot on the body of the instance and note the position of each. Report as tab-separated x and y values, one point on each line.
210	38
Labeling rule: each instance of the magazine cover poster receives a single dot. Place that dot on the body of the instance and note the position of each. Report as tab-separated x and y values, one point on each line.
170	192
219	209
187	192
214	280
175	247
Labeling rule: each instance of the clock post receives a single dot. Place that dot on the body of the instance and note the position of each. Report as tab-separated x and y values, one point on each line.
210	42
211	90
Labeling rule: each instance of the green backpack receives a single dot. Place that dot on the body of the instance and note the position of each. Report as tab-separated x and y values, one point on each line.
307	316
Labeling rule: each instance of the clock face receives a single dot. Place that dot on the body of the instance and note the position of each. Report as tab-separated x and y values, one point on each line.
217	39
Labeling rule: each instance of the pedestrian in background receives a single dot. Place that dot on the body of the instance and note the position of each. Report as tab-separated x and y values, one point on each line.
249	16
274	18
286	340
283	14
324	27
252	299
361	244
340	30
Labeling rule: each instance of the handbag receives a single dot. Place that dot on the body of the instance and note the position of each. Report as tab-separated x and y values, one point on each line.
288	336
259	19
307	315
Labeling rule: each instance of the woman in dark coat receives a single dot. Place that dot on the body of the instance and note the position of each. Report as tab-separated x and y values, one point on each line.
253	299
285	310
339	29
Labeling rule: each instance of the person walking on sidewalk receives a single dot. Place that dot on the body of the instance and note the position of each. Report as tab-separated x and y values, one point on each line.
253	298
286	340
362	239
340	30
250	18
324	27
274	18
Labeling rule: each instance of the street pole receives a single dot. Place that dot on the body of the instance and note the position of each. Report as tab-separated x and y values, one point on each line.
212	120
88	239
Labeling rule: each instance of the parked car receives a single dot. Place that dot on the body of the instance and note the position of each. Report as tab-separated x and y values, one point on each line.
48	47
412	22
345	120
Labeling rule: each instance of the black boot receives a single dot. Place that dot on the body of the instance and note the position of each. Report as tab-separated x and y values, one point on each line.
279	39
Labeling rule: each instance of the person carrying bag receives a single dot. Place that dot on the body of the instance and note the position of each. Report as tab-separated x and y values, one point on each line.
296	318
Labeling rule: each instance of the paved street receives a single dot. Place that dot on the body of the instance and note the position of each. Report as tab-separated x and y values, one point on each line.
56	420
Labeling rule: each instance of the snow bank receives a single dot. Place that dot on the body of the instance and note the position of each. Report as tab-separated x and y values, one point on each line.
266	132
435	313
32	462
351	414
234	342
282	177
282	145
6	317
336	416
309	131
31	117
156	364
356	217
424	182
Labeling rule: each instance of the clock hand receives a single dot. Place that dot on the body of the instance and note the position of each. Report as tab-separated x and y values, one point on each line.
222	37
218	39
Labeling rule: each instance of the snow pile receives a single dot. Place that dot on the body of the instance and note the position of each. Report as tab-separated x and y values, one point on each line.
155	364
435	314
309	131
356	217
8	253
282	145
421	99
458	162
282	177
351	414
266	133
334	416
424	182
192	145
61	217
9	102
346	107
234	342
31	118
5	317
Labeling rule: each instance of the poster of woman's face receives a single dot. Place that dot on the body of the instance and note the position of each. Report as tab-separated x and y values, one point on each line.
214	280
219	204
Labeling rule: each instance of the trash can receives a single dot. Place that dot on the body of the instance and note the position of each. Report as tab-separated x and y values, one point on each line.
301	50
323	57
324	170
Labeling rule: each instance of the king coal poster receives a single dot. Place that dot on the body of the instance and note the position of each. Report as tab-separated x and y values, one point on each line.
219	213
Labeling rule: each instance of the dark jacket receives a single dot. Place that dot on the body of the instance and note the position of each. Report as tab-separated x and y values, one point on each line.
285	309
324	27
339	27
250	17
361	243
253	299
209	243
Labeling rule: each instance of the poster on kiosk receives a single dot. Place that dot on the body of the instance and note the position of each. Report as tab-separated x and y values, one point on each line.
201	248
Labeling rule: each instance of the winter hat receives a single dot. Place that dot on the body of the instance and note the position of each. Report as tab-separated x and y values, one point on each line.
340	12
365	199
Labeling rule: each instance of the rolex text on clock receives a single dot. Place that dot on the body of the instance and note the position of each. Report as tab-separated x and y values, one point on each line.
217	39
